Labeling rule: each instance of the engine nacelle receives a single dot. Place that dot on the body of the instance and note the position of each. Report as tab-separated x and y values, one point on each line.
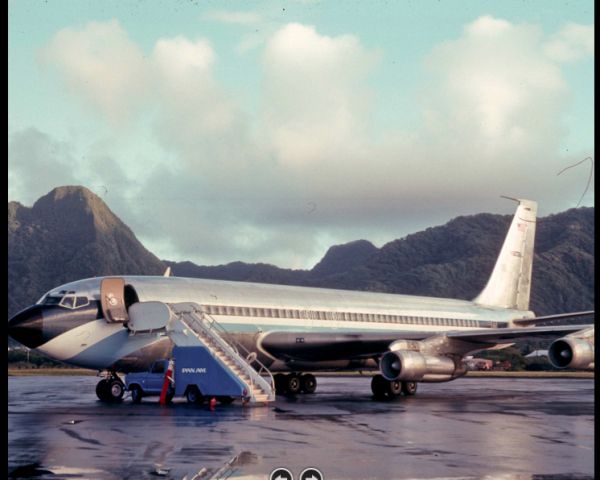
570	352
413	366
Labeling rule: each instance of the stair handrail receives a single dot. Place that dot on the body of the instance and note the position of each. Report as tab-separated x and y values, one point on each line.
188	319
231	340
246	366
231	346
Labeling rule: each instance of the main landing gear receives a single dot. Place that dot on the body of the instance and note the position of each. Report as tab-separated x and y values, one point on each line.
110	389
388	389
294	383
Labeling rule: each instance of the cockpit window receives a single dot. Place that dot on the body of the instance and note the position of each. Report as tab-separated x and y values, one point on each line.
81	301
68	301
52	300
71	301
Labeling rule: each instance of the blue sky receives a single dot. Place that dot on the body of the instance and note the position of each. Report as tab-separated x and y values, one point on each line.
268	131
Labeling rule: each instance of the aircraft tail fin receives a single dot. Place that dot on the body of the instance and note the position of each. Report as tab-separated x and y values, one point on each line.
510	283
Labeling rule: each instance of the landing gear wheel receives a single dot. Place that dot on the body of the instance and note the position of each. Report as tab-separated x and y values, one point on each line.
379	387
116	389
194	396
409	388
110	389
280	383
225	400
136	394
293	384
102	390
394	388
308	383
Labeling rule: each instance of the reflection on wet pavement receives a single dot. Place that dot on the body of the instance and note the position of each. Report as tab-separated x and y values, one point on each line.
470	428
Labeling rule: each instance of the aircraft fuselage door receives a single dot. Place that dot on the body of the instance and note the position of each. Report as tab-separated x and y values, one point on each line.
112	298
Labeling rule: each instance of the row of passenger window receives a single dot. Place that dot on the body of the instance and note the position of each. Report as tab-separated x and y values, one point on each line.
340	316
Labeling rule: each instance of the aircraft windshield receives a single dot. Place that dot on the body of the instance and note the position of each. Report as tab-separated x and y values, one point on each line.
52	300
66	299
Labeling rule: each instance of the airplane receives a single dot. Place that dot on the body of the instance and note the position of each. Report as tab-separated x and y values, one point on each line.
298	330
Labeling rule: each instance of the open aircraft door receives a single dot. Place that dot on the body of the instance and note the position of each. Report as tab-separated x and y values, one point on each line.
112	298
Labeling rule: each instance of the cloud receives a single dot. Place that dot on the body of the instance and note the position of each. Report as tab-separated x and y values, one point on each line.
233	17
573	42
251	42
173	88
309	169
100	63
495	83
317	103
37	164
194	110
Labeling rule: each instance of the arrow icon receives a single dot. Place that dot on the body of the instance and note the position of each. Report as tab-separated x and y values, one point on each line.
281	474
311	474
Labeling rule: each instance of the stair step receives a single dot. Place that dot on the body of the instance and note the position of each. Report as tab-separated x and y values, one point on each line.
261	398
228	355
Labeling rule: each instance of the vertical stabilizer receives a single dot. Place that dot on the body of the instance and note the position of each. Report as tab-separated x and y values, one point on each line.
510	283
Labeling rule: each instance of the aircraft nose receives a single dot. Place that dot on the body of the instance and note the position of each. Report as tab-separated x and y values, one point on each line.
27	327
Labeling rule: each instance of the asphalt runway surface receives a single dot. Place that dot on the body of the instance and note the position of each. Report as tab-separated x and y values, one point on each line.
473	428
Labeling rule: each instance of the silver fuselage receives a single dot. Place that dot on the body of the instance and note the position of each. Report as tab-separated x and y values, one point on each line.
250	310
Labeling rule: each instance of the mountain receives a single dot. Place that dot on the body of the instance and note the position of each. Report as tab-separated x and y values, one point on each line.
68	234
454	260
71	234
240	272
563	272
340	259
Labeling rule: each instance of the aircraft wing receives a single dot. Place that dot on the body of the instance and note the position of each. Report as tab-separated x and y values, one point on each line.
323	346
549	318
506	335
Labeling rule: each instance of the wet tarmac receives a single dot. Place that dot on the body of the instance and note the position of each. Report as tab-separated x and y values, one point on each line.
474	428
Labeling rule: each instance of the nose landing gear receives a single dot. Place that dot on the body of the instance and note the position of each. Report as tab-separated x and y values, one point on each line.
110	389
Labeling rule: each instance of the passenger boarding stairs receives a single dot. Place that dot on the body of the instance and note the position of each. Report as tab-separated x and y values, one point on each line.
191	326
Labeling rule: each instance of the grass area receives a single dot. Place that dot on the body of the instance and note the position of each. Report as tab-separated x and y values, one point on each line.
481	374
53	371
530	374
26	372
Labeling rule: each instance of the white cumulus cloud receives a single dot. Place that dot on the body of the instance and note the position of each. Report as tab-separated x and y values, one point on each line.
101	63
317	103
495	83
308	166
573	42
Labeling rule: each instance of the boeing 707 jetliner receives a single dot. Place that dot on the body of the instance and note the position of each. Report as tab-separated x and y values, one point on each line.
122	324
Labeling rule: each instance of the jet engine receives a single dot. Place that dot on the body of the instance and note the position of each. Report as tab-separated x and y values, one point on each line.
572	352
411	366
